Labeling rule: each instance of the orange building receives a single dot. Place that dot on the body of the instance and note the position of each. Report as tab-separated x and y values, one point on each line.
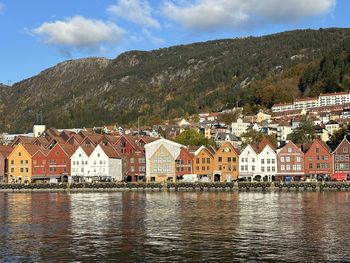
20	163
203	163
225	167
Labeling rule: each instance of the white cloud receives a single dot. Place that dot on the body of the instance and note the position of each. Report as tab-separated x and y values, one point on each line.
135	11
79	32
238	14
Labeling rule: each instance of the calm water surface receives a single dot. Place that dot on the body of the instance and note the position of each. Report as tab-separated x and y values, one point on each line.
162	226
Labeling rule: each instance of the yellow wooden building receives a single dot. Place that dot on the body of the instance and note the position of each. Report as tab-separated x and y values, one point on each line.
20	163
203	163
225	167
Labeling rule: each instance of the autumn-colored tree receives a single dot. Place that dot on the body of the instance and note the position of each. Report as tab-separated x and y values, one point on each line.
193	138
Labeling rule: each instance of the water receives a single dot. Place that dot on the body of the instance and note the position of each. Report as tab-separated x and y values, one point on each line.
168	227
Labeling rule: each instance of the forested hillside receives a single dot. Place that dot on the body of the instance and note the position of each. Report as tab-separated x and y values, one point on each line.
181	80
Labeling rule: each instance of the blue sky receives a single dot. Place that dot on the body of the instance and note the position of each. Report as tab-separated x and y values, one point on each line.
37	34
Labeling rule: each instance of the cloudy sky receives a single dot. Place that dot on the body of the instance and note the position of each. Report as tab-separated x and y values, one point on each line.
37	34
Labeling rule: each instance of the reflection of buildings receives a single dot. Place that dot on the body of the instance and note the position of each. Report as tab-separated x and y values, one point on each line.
35	226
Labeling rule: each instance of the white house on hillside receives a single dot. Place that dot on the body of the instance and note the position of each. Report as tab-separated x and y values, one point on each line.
239	127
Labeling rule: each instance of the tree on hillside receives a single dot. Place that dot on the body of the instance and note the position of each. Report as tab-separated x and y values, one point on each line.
304	133
254	137
228	117
193	138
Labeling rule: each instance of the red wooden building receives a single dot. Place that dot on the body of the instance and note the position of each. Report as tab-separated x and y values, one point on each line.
58	164
290	163
341	163
183	163
39	165
318	160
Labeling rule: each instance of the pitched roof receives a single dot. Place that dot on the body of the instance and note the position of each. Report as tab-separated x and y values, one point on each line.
32	149
68	148
110	151
23	140
87	150
264	142
5	150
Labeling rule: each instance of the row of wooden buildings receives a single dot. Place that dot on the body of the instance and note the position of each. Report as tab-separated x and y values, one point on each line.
86	156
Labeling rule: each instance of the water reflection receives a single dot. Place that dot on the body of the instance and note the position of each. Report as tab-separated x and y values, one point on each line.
184	226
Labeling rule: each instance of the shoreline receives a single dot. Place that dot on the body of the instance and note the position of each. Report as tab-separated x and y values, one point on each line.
178	187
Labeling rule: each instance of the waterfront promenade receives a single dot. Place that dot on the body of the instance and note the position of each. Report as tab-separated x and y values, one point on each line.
181	186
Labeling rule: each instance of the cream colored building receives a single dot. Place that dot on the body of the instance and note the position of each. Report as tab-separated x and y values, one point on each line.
160	160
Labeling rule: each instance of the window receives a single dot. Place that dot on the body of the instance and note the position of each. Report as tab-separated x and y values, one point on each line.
100	162
282	167
197	160
26	161
34	161
98	155
12	162
287	159
142	160
310	165
234	159
242	168
263	169
268	161
21	162
268	168
21	170
219	159
131	160
203	168
44	161
208	167
317	150
273	161
208	160
273	168
19	154
282	159
345	150
132	168
289	149
229	159
262	161
12	170
298	159
318	165
288	167
73	162
79	154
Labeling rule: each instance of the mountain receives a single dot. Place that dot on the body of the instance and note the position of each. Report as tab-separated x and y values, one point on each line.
180	80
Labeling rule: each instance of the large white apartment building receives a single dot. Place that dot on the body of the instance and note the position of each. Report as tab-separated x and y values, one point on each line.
327	99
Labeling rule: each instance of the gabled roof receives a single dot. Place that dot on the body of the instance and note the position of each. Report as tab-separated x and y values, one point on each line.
5	150
76	137
344	140
43	141
31	149
110	151
209	150
186	152
44	152
323	144
87	150
68	149
265	142
23	140
52	132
